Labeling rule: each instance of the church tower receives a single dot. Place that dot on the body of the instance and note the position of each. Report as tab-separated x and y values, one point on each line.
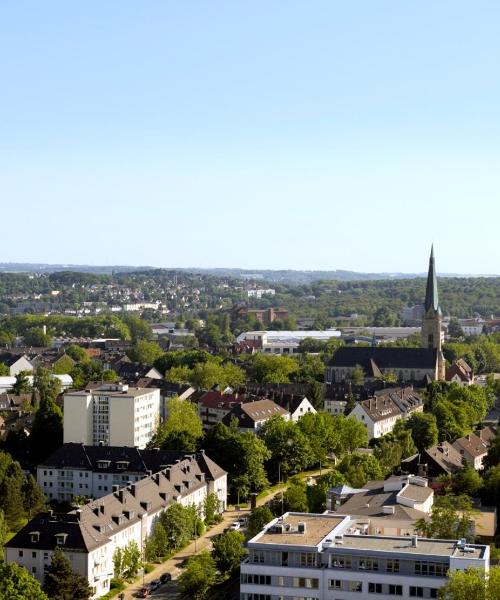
431	323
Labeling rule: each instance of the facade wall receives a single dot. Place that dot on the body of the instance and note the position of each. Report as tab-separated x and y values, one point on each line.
78	419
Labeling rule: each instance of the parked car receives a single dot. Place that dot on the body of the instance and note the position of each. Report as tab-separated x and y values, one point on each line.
234	526
154	585
165	577
243	521
144	592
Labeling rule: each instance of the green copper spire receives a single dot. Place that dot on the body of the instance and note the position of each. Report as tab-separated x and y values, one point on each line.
431	292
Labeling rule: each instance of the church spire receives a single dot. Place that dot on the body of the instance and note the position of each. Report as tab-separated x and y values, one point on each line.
431	291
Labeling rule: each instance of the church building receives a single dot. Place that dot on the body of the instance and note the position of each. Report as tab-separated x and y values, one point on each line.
409	365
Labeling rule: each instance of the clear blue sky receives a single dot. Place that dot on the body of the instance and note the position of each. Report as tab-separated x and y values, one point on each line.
273	134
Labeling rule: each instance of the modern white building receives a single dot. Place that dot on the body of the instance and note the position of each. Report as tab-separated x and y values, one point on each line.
284	342
90	535
112	415
329	557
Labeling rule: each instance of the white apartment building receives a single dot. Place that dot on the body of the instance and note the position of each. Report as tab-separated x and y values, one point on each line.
303	556
260	293
284	342
90	535
111	415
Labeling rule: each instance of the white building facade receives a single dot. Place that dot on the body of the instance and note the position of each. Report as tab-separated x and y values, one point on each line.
327	557
112	415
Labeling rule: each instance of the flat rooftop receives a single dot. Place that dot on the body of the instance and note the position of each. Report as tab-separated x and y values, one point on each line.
405	544
317	528
132	391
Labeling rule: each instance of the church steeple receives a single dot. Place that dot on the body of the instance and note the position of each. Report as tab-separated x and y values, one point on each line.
431	291
431	322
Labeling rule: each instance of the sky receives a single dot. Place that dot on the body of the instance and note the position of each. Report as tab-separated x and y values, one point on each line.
264	134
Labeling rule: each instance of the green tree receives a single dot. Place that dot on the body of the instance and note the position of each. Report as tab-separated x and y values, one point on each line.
272	368
4	370
228	550
323	435
37	337
138	328
182	428
77	353
467	481
352	435
4	529
451	518
22	384
145	352
47	431
198	576
179	374
211	509
63	365
17	584
109	375
12	479
358	469
295	496
179	523
289	447
424	430
260	516
62	583
33	498
315	394
131	561
472	583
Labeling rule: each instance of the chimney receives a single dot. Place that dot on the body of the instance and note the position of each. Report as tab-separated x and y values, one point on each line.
414	541
78	514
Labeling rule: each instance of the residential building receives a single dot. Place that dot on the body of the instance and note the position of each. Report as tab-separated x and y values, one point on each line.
380	334
213	406
381	412
16	363
266	315
297	406
111	414
473	447
90	535
388	507
93	471
250	416
328	557
460	373
442	459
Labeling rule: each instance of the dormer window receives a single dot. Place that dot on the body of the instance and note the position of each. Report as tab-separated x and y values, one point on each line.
35	537
121	465
103	464
61	538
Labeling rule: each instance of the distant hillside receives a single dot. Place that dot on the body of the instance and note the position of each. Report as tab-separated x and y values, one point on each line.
279	276
46	268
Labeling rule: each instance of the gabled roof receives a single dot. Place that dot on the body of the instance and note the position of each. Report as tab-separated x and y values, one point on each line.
250	413
444	455
215	399
472	444
380	408
78	456
9	359
384	357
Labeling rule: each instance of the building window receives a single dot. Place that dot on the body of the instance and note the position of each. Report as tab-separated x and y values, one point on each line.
335	584
374	588
355	586
395	590
392	566
20	553
416	591
33	554
367	564
341	562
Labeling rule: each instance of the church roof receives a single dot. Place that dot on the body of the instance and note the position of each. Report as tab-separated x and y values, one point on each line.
385	358
431	290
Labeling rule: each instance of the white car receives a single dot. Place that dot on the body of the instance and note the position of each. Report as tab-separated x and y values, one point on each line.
234	526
